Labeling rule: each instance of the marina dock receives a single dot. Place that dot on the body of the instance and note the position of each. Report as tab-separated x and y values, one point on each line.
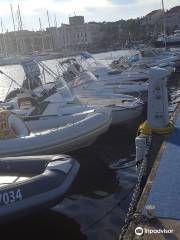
90	120
161	191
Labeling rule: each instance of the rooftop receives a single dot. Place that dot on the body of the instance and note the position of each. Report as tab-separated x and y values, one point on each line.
174	9
153	12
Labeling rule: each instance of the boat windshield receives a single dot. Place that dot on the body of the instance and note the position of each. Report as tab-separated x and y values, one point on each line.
44	83
70	69
74	73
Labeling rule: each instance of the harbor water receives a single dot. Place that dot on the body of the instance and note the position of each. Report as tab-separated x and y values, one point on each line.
96	204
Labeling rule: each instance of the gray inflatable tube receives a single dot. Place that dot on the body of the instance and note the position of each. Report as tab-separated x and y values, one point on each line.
33	183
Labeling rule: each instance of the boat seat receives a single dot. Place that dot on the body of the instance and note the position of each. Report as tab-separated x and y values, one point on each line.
39	109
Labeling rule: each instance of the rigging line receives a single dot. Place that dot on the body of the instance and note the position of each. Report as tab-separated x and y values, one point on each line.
8	90
1	72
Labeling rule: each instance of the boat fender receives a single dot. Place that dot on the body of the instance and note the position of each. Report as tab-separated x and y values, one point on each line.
18	125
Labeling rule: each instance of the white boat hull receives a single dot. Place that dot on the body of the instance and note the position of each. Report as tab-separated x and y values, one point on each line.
126	115
61	140
122	110
45	122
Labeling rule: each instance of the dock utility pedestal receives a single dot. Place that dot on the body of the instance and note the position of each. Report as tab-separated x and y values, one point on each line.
157	117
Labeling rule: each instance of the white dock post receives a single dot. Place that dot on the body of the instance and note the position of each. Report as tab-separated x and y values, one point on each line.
157	116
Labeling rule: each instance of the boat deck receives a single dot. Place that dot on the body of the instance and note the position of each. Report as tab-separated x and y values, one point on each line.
163	191
103	101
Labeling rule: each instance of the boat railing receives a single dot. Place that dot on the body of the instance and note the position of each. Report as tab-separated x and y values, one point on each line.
57	78
11	82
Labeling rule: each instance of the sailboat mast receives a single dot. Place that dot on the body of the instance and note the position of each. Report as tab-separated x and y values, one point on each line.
20	19
42	37
164	25
55	21
51	40
40	24
48	18
3	37
21	27
12	15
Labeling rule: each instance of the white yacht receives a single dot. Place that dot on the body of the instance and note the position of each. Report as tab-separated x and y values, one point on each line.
171	40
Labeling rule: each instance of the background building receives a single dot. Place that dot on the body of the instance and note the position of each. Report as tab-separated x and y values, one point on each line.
173	19
78	35
92	36
153	17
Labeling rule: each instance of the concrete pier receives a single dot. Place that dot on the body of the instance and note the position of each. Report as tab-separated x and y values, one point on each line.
162	190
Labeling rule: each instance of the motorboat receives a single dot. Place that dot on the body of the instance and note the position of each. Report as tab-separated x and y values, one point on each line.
47	107
106	74
124	110
134	68
95	93
99	89
59	108
153	57
139	68
143	68
82	81
53	112
171	40
57	123
33	183
103	72
79	133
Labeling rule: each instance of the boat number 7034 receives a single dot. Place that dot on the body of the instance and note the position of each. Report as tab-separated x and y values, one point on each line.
10	197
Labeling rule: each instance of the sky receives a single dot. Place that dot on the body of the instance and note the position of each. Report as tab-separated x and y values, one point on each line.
93	10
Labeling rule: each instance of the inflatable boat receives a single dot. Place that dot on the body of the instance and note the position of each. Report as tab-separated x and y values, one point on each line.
32	183
63	139
54	113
